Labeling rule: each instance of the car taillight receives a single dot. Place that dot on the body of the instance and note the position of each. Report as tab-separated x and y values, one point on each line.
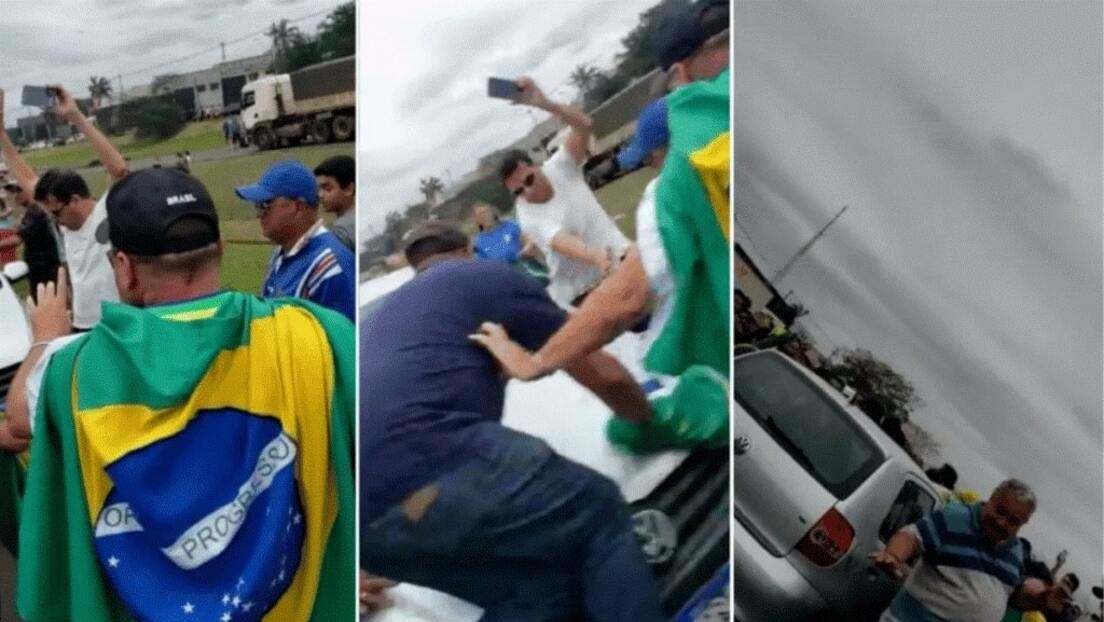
829	539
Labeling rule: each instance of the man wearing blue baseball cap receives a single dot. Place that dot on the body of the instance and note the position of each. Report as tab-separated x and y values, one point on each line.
309	261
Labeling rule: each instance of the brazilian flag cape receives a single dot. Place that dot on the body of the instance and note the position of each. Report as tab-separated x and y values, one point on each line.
195	461
692	213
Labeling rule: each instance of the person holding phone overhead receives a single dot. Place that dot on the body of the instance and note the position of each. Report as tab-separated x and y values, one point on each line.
556	207
66	197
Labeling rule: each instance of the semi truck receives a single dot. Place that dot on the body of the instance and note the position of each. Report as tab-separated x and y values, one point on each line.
316	103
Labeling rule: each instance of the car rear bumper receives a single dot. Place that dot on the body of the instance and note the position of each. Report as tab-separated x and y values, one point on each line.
766	588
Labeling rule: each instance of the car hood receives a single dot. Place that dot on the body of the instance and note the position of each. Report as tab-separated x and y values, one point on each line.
15	339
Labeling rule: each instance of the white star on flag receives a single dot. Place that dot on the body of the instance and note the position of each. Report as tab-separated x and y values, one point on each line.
298	517
225	617
225	599
247	606
281	575
188	607
235	601
113	561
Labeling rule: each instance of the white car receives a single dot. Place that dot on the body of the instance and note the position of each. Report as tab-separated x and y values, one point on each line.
15	336
680	499
818	487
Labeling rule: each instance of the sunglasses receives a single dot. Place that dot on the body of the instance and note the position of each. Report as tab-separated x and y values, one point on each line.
262	206
526	183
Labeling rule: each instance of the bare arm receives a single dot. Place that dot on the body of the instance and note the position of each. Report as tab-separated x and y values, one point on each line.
22	171
571	245
110	157
609	310
617	302
579	122
613	384
894	559
49	320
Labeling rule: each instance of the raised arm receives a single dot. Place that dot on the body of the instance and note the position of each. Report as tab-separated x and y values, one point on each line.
18	167
110	157
579	122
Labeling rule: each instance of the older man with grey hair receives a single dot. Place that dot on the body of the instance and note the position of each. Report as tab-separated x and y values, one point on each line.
971	564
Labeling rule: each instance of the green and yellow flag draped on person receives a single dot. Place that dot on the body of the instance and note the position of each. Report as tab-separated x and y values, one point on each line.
195	461
693	216
692	212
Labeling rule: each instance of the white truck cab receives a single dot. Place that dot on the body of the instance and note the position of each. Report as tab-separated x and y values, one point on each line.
263	100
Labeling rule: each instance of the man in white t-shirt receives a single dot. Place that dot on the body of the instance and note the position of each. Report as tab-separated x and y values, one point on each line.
66	196
557	209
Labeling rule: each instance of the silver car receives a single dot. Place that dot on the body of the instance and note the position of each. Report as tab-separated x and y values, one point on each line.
817	488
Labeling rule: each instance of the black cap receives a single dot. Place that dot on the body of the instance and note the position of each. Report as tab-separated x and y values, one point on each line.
681	33
157	211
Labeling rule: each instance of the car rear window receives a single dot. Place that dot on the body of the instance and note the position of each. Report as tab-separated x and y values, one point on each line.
817	433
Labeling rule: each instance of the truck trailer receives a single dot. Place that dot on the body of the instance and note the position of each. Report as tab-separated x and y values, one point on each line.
316	103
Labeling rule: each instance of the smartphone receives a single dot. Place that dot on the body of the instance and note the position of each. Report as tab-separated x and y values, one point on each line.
40	96
503	89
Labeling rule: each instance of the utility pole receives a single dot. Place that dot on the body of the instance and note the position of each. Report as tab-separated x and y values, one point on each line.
119	77
804	249
223	45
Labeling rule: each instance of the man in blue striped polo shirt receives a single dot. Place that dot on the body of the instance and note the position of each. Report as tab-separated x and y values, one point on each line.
309	261
971	562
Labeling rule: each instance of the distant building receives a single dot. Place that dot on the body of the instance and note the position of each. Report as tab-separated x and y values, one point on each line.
758	289
40	128
216	90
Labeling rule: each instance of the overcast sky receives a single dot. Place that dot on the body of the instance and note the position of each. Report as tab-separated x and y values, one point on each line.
71	40
423	108
966	137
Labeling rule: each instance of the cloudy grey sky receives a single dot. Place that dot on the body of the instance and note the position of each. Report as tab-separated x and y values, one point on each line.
966	137
423	108
67	41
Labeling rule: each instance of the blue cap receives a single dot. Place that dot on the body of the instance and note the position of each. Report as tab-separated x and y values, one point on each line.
651	133
290	179
681	33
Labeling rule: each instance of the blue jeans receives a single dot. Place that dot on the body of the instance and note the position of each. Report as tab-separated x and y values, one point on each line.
522	532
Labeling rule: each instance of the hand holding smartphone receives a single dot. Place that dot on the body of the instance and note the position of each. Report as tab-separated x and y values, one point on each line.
501	88
39	96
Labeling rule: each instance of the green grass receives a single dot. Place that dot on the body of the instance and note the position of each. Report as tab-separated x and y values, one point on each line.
195	137
244	265
621	197
222	176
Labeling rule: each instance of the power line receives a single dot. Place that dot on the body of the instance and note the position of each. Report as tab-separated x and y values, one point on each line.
221	44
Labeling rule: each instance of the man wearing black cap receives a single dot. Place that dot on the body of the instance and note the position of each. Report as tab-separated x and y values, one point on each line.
692	44
194	425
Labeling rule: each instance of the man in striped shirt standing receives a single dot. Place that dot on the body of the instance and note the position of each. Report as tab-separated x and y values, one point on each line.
971	564
309	261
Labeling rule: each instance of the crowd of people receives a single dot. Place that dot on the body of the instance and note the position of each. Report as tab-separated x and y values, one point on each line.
456	500
168	428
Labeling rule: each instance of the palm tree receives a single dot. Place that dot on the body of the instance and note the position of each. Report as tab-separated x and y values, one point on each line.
431	187
584	78
100	88
283	36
